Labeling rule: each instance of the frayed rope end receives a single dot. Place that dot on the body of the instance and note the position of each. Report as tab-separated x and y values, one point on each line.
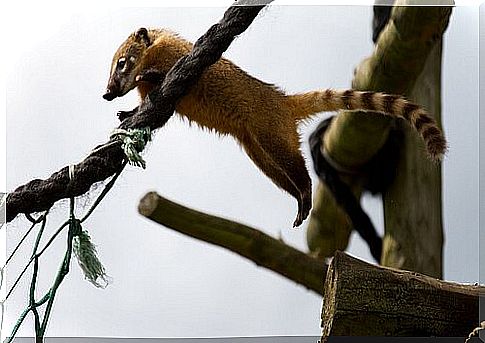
85	252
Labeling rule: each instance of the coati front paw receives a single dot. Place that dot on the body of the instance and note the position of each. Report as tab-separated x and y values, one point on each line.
122	115
151	76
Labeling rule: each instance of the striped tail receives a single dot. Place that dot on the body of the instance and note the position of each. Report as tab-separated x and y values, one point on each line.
394	106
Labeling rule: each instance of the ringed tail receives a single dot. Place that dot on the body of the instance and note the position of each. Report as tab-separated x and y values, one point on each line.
396	106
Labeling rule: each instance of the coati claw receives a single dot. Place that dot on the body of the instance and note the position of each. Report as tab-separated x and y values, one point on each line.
299	219
304	208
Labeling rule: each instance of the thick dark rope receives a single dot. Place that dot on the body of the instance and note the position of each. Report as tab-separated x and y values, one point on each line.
154	112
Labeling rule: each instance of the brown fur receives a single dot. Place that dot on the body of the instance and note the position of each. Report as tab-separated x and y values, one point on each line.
260	116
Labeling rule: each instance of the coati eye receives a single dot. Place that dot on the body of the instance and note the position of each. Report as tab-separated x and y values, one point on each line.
121	63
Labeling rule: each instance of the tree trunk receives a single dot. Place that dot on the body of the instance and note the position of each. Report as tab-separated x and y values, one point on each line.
412	204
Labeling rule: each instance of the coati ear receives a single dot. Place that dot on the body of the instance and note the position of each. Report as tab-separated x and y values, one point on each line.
141	35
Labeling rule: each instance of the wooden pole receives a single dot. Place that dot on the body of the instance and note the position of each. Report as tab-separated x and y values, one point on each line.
413	237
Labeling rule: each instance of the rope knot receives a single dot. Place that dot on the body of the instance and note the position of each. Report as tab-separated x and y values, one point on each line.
133	142
75	227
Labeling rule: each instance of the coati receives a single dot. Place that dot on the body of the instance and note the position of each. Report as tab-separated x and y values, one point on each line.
258	115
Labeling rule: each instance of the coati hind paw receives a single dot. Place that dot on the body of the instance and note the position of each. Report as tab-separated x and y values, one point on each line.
304	208
298	220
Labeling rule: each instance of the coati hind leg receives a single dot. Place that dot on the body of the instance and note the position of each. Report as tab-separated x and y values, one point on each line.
283	149
269	167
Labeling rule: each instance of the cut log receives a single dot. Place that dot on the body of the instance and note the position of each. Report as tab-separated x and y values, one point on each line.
361	299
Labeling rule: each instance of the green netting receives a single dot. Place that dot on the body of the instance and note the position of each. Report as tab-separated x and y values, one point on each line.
77	241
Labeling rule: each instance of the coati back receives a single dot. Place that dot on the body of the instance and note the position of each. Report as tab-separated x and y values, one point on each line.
258	115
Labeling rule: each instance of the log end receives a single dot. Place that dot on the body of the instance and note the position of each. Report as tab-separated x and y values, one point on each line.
148	204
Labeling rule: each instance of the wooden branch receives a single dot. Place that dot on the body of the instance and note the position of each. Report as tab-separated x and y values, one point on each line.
361	299
253	244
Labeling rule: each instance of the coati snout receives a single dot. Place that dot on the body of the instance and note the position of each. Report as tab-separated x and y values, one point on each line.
112	90
109	95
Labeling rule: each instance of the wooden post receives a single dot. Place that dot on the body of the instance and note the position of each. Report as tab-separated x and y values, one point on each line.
413	237
361	299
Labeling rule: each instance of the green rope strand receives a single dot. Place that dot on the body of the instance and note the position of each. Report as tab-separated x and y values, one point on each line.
86	254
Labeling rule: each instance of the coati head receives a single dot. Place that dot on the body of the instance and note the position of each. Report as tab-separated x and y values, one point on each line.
126	61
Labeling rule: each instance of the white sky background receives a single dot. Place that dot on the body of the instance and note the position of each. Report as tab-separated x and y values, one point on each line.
165	284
